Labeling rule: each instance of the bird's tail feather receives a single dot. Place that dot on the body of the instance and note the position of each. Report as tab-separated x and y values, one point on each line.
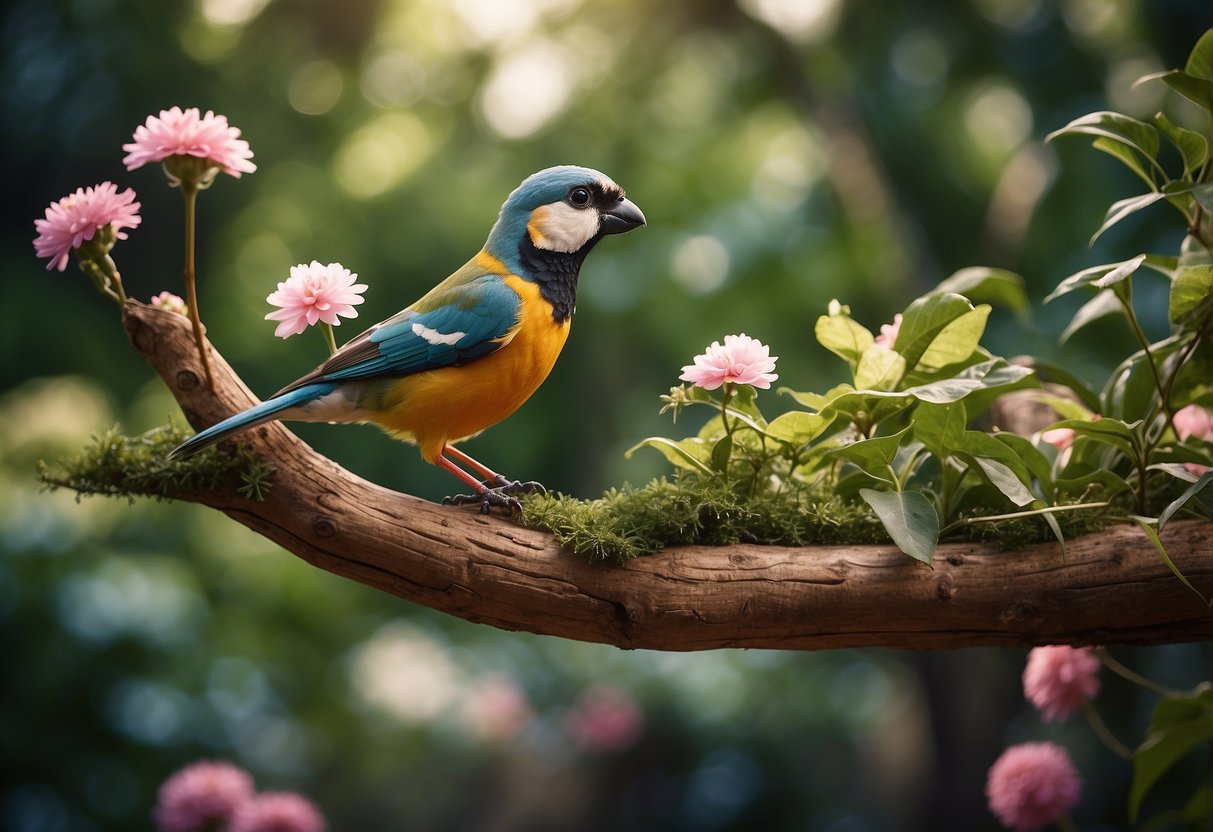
265	412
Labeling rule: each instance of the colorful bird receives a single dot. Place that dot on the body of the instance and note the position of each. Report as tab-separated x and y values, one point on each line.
473	348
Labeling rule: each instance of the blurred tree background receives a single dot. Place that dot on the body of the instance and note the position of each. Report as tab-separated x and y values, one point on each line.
785	152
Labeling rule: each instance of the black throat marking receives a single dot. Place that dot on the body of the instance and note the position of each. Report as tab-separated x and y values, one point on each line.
556	273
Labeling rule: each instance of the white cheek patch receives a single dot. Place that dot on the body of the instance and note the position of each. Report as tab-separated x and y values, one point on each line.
559	226
435	337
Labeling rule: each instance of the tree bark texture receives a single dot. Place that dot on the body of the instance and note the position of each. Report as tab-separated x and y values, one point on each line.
1111	587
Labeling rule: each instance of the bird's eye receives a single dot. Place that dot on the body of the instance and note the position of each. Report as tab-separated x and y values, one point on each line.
579	197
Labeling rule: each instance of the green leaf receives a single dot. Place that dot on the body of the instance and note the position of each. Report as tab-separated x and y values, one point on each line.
1200	59
956	341
1180	724
982	445
1191	293
1114	483
988	375
1195	89
1123	208
1133	142
1097	277
879	368
797	428
1005	480
1108	431
1192	146
1178	503
909	518
722	453
982	284
1146	525
873	456
1053	373
940	427
843	336
924	319
1031	456
693	454
1102	305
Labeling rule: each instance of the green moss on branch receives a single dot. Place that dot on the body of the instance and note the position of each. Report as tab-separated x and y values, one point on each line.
115	465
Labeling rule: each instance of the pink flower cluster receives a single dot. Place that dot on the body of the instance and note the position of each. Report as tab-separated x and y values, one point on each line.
177	132
76	218
604	718
1032	785
740	360
1057	680
210	796
314	293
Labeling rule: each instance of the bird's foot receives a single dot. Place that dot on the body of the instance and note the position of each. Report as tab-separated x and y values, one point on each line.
508	486
499	495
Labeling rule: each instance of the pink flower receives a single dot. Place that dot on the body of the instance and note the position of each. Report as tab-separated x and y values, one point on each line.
742	360
187	133
1059	679
314	293
888	333
1032	785
169	301
1059	438
496	709
200	797
75	219
278	812
604	718
1194	420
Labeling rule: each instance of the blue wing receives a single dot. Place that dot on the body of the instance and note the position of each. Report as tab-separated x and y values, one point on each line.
469	315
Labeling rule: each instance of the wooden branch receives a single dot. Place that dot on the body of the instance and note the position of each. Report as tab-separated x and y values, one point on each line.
1111	588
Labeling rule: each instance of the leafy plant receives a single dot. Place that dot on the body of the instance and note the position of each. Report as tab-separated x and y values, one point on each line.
898	437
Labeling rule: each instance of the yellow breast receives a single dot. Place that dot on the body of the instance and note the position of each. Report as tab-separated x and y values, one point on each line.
440	406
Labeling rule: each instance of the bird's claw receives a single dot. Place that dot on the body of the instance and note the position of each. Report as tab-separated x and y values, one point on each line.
508	486
499	495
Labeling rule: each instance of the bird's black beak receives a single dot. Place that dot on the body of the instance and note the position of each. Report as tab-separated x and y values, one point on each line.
622	216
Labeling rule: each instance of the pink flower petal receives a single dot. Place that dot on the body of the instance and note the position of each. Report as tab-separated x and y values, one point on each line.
1032	785
178	132
1057	680
201	797
740	360
74	219
314	293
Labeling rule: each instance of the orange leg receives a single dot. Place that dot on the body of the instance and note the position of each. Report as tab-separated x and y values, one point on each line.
488	473
497	495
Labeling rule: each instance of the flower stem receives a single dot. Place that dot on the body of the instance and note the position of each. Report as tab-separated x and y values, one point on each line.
190	192
327	329
1136	678
1104	733
990	518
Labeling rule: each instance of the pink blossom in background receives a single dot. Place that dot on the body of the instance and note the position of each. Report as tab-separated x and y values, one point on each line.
173	303
1059	438
496	709
1057	680
73	220
278	812
314	293
1032	785
888	333
604	718
1194	421
741	360
201	797
178	132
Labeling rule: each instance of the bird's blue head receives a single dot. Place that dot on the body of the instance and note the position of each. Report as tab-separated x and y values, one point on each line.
563	210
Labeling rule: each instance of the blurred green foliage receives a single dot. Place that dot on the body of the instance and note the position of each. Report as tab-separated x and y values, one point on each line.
785	152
